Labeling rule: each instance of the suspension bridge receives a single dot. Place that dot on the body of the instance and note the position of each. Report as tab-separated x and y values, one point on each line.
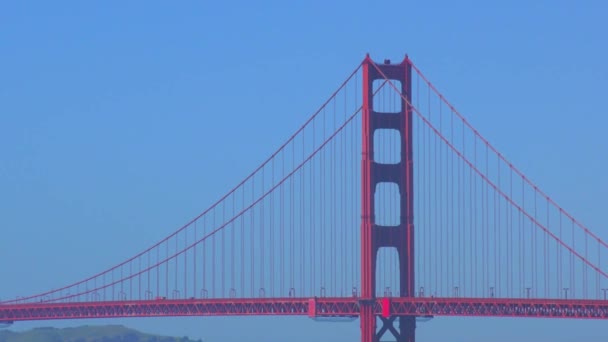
386	205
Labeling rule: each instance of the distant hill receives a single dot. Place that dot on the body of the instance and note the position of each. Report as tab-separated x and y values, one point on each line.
106	333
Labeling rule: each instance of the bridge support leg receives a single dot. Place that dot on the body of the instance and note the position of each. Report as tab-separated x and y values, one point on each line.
368	324
406	332
407	328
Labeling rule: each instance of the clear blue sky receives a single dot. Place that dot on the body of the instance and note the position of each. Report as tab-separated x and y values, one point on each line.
120	121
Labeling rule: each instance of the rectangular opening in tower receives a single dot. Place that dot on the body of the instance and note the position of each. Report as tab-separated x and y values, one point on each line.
387	98
387	146
387	204
387	272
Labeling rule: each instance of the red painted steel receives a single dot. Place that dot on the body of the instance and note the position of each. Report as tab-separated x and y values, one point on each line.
375	236
368	252
323	307
386	307
501	307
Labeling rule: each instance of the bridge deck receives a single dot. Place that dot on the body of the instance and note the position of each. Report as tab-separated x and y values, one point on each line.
312	307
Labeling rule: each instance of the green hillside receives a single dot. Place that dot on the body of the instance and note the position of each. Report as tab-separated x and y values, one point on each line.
108	333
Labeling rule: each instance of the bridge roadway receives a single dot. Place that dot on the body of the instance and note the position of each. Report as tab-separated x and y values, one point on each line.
312	307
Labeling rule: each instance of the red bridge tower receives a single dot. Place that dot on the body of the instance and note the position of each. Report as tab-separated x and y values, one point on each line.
373	236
